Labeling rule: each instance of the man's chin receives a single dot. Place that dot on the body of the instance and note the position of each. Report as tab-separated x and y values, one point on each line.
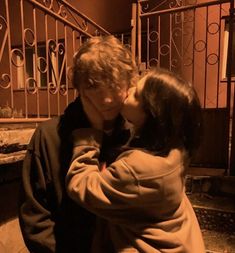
110	116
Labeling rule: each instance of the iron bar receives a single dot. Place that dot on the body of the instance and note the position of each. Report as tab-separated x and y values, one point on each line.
170	43
231	127
22	120
218	70
84	16
47	62
55	15
35	62
9	52
139	35
147	43
159	41
194	33
206	63
184	8
66	64
24	58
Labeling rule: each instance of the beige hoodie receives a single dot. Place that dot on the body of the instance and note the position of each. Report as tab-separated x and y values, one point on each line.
141	196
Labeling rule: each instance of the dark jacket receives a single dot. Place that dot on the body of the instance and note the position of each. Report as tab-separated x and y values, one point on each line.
49	220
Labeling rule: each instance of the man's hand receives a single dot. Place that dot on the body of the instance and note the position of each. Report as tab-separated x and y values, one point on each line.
94	116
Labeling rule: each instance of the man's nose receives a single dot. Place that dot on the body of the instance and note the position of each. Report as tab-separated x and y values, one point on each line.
107	97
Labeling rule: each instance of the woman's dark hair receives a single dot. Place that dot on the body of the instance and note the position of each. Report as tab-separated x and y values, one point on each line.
173	113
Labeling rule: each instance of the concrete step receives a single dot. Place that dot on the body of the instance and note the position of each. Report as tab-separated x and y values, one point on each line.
213	199
217	242
214	213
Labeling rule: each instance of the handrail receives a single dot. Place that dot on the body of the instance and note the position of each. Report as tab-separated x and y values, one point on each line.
40	6
184	8
84	16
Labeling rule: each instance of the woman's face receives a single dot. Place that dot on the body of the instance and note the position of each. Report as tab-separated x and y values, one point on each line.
132	109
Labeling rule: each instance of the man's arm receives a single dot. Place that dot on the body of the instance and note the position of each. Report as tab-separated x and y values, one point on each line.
35	218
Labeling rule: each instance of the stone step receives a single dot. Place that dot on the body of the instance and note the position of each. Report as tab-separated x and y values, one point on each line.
13	143
213	199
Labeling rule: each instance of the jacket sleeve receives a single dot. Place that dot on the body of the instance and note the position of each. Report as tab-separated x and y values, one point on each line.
107	193
35	217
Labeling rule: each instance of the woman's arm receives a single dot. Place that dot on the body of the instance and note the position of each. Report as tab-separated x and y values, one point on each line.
106	193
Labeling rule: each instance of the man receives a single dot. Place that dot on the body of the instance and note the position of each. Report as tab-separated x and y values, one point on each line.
49	220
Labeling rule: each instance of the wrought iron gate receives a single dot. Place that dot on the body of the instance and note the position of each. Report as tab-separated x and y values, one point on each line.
190	37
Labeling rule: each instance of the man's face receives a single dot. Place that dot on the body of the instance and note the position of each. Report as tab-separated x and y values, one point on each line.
106	98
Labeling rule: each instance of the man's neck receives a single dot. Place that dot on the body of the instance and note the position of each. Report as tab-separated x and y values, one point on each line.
109	126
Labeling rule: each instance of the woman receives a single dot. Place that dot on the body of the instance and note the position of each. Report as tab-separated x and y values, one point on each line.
142	194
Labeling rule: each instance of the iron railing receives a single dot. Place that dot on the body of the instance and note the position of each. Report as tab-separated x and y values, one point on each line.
191	37
37	41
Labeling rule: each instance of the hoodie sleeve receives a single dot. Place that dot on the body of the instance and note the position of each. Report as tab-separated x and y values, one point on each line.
106	193
35	217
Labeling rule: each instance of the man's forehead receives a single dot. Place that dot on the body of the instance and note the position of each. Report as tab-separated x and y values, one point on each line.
107	82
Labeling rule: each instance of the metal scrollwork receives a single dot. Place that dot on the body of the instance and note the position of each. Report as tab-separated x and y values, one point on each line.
213	28
48	3
174	63
153	62
20	60
188	61
200	46
84	25
153	36
144	7
62	11
189	16
178	18
164	49
175	3
52	46
58	50
4	23
42	65
212	59
63	90
176	33
188	38
5	81
179	3
31	85
53	89
30	41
